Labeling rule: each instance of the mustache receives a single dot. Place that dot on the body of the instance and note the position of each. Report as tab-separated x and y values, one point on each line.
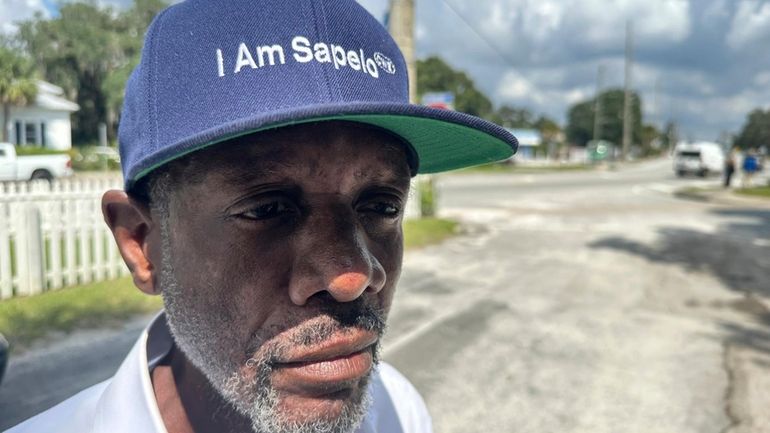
333	318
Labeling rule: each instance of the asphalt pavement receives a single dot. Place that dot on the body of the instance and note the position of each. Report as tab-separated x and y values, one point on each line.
573	302
590	302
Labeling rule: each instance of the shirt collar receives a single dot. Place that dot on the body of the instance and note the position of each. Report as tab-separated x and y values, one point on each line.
128	404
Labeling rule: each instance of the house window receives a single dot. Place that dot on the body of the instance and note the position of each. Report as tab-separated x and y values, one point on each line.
30	133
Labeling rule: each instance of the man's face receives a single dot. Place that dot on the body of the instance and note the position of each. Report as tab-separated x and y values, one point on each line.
279	267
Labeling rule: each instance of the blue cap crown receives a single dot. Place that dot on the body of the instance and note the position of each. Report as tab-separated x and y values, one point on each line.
213	70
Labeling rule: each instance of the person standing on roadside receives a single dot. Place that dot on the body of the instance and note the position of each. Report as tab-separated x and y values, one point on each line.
750	166
729	168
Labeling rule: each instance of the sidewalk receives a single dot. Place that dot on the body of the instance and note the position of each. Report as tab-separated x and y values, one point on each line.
720	196
727	196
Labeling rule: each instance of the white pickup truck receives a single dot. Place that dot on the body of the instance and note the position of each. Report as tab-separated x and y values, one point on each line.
14	167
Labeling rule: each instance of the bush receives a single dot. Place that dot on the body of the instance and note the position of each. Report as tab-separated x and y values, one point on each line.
34	150
427	197
94	158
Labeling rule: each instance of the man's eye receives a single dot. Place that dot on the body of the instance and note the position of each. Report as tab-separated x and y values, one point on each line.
385	209
268	210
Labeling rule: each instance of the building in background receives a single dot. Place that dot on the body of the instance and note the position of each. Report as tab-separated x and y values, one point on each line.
45	122
529	139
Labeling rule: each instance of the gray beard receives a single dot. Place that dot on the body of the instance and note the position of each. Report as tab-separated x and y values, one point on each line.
204	338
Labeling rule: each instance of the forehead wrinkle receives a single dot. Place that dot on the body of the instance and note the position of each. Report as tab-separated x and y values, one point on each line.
391	174
245	174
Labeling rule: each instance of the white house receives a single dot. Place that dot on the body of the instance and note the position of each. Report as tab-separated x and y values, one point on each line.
45	122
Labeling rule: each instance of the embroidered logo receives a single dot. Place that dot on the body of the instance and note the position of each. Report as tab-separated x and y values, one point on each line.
385	63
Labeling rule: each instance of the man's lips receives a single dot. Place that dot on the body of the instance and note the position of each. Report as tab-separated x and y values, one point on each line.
331	366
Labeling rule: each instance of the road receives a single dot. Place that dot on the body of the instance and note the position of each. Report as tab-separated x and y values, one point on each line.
573	302
591	302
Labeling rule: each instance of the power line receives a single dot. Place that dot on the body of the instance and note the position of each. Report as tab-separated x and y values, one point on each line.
481	36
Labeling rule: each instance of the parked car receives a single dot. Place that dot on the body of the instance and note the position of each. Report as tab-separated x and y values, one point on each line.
701	158
16	167
3	356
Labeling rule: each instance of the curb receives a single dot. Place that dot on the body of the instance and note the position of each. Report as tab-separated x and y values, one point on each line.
719	196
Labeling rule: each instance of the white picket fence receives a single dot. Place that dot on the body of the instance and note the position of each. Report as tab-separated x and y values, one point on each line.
53	236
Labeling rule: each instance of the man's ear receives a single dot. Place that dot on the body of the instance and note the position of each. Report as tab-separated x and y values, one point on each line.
136	236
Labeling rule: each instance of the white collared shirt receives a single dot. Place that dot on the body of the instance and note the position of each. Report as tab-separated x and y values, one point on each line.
126	402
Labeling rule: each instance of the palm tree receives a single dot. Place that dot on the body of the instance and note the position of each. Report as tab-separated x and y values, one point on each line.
17	83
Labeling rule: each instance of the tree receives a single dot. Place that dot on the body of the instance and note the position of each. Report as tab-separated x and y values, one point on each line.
132	25
756	130
669	137
511	117
548	128
89	51
17	83
76	50
651	140
434	75
580	119
551	133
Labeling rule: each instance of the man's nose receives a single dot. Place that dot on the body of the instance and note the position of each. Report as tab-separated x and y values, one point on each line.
332	256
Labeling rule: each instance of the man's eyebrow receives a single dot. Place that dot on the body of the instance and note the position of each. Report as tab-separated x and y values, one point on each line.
394	177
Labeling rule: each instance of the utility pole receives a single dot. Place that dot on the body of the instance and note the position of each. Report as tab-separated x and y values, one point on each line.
628	123
401	27
656	111
422	203
598	113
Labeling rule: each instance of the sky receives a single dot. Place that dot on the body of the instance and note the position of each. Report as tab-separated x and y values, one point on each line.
702	63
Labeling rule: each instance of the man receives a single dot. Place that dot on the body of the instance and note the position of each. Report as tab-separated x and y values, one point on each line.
267	148
729	168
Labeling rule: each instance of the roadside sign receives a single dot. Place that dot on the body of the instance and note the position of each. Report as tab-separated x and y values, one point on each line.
440	100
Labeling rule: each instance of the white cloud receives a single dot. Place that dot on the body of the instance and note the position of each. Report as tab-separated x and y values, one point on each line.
715	11
750	24
12	11
514	87
706	118
762	79
547	24
653	21
538	90
575	95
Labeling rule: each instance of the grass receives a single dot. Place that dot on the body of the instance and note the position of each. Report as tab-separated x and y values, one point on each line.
427	231
25	320
759	191
507	168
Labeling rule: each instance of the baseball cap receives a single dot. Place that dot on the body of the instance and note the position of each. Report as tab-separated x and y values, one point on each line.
211	71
